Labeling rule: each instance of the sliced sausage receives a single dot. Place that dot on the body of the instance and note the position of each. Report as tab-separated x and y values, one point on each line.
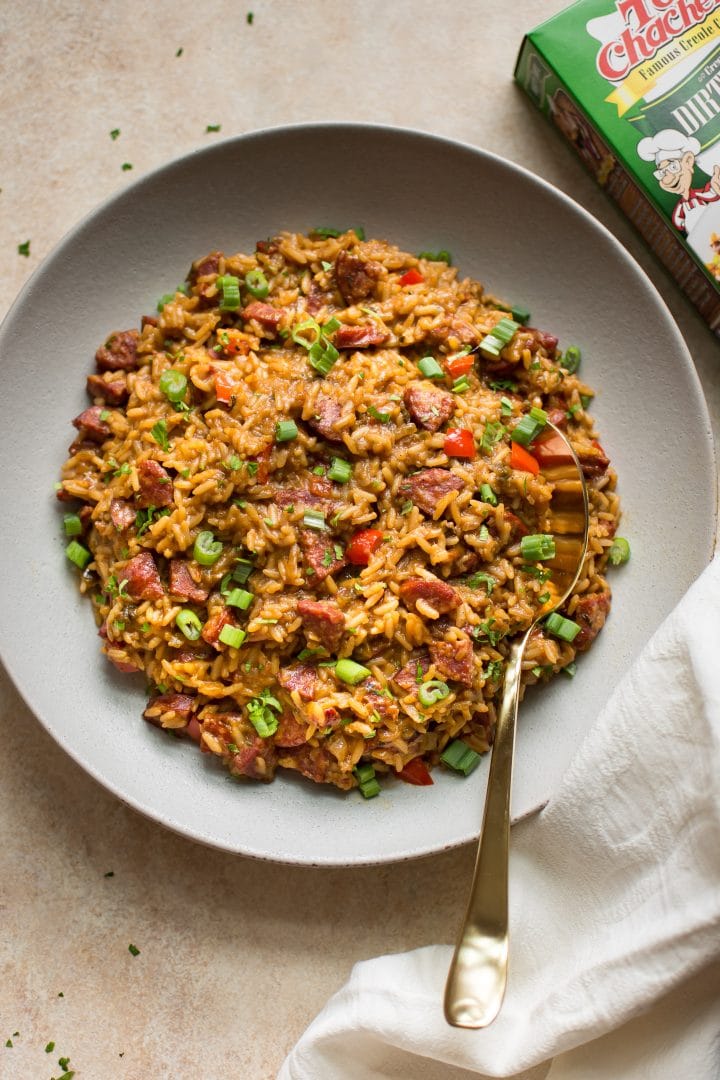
454	660
300	677
429	406
256	759
594	461
183	584
265	314
317	764
143	579
122	514
290	730
454	327
591	612
170	706
113	391
91	426
427	487
438	594
213	627
361	337
205	267
325	417
320	555
355	277
156	486
324	620
119	353
410	676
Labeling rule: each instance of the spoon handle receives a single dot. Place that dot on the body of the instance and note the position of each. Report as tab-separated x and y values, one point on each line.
478	974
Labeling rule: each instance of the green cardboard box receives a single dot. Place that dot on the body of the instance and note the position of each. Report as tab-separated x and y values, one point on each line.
634	86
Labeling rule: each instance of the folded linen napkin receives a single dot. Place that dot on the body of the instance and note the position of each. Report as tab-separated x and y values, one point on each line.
615	900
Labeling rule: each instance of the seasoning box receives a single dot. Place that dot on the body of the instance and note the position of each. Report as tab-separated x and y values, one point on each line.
634	86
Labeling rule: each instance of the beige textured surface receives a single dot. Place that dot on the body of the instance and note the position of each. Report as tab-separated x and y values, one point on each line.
236	957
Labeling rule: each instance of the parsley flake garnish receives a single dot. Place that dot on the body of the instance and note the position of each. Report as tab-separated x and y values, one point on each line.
114	134
134	950
24	249
126	166
160	435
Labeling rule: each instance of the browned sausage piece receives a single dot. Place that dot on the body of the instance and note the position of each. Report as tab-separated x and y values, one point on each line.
179	706
143	579
122	514
205	266
454	328
427	487
267	316
119	353
436	593
594	461
320	555
256	759
591	612
183	584
324	620
326	415
91	426
454	660
355	278
429	406
410	676
290	731
300	677
360	337
113	392
156	487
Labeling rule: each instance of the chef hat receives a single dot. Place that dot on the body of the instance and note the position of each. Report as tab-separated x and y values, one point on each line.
667	145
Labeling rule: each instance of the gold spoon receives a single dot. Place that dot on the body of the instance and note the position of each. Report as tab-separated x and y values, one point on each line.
478	973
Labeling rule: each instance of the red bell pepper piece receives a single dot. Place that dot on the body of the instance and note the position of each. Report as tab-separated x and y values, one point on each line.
362	545
224	387
460	443
416	772
520	459
459	365
411	277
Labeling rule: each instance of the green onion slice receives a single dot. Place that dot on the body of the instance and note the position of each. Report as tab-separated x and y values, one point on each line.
230	289
80	555
520	314
350	672
242	571
537	547
72	525
239	598
562	628
257	284
340	470
526	430
619	552
488	495
459	756
189	623
430	368
232	635
286	431
571	359
314	519
370	788
433	691
207	550
173	384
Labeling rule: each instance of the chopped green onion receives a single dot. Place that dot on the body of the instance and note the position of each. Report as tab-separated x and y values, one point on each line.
207	550
257	284
323	356
72	525
619	552
506	406
364	772
260	713
370	788
326	265
230	288
539	416
537	547
298	334
331	326
78	554
308	654
571	359
586	400
212	127
570	670
189	623
173	384
430	368
232	636
159	433
526	430
433	691
488	495
407	507
286	430
483	534
350	672
340	470
239	598
520	314
314	519
459	756
166	298
327	233
383	417
126	166
114	134
133	949
562	628
359	231
460	385
436	256
501	335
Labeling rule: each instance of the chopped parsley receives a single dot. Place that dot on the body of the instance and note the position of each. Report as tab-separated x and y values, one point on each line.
492	433
179	52
24	249
485	630
49	1048
481	578
133	949
114	134
260	712
212	127
383	417
160	435
249	18
108	873
494	670
126	166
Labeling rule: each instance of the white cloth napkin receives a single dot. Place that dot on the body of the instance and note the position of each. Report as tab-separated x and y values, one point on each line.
615	907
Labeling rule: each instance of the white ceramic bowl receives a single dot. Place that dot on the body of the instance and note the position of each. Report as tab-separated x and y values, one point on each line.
528	243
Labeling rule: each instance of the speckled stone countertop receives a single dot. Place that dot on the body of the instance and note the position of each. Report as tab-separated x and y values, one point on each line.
236	956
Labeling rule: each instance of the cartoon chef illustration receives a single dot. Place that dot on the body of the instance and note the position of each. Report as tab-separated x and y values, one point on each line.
674	153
